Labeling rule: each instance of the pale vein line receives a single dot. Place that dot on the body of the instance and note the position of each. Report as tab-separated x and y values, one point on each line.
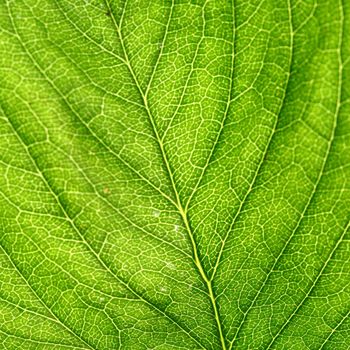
312	287
337	111
257	172
189	75
166	31
326	156
37	341
197	261
44	316
40	175
334	330
90	39
39	249
66	271
105	200
150	304
120	158
111	205
55	317
226	113
89	247
29	311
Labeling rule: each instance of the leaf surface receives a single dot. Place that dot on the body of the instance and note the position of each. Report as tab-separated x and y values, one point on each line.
174	174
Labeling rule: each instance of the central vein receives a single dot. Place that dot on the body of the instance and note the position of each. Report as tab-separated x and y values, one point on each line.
182	211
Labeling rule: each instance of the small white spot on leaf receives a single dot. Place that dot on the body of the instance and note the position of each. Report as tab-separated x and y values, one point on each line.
171	266
156	213
163	289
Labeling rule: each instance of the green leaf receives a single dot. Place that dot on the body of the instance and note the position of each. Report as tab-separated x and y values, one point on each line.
174	174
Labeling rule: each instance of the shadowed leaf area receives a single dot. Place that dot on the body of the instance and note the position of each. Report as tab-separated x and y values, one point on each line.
174	174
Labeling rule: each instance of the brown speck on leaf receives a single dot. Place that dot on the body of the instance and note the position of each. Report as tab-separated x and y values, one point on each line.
108	13
106	190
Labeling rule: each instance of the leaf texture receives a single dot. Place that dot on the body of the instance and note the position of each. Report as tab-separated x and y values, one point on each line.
174	174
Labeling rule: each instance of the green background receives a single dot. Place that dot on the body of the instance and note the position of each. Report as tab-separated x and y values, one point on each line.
174	174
